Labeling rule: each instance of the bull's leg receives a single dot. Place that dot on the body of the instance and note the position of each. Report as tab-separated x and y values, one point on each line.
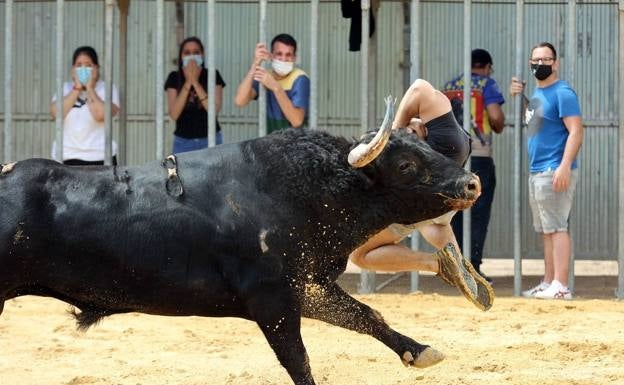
279	318
333	305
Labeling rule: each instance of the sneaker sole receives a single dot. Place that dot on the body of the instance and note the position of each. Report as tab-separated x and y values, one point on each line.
461	273
485	291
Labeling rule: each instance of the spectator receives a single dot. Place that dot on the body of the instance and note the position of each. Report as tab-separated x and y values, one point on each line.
382	251
555	136
486	99
288	87
187	98
83	112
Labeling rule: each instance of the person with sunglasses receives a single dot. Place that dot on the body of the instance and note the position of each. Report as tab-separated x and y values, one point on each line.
555	135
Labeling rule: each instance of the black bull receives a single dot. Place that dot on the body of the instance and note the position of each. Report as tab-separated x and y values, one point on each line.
262	230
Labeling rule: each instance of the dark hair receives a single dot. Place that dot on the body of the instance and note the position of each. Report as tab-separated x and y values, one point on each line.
193	39
480	58
85	50
546	44
284	38
182	78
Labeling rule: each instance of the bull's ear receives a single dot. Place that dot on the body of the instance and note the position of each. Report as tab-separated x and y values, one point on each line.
368	175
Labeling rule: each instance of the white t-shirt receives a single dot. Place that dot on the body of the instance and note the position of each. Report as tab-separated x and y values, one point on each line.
83	136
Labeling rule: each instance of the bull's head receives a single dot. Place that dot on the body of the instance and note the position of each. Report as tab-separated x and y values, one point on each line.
422	183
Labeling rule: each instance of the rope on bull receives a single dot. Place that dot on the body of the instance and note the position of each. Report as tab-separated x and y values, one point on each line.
173	183
7	168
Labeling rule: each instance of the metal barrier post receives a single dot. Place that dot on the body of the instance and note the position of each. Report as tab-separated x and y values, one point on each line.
159	79
466	223
620	289
314	20
517	158
262	103
367	278
60	9
212	75
108	75
414	74
570	77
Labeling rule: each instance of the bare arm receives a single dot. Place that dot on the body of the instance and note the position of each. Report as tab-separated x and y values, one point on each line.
575	139
203	96
97	106
496	116
68	102
517	87
176	101
561	178
245	92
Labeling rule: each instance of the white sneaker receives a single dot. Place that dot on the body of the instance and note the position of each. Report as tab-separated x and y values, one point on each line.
537	289
556	290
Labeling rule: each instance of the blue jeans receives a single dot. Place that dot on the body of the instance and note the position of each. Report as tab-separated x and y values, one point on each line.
480	212
185	145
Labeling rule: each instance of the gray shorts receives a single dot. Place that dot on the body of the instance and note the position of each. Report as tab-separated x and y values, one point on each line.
403	231
550	209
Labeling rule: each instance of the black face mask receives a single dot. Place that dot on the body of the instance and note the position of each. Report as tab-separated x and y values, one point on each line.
541	71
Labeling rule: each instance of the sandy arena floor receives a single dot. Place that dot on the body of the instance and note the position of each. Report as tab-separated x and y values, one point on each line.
519	341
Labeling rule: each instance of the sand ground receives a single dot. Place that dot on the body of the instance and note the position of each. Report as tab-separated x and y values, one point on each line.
517	342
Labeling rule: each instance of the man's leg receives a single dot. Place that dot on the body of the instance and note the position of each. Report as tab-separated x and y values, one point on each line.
421	100
382	253
480	212
549	266
561	243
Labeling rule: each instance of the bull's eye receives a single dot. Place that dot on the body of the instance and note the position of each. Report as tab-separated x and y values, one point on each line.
403	167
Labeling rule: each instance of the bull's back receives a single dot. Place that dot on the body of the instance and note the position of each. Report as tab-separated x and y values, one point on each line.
118	238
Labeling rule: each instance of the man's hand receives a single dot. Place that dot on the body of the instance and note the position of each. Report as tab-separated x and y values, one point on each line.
561	178
265	78
516	87
261	53
417	127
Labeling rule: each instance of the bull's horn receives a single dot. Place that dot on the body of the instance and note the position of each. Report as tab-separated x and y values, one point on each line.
364	153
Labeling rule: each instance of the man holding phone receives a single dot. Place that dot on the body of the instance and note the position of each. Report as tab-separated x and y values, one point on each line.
288	96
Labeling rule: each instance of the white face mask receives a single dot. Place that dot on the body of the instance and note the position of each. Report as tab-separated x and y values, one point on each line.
282	68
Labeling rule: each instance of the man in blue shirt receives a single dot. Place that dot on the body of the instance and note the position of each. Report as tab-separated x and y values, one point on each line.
288	96
487	118
555	136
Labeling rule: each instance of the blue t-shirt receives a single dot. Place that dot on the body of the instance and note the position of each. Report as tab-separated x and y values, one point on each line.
547	133
297	87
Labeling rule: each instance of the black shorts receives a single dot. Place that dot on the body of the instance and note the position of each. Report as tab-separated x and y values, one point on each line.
448	138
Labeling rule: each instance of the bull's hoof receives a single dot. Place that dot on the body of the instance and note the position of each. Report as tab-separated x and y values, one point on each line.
426	358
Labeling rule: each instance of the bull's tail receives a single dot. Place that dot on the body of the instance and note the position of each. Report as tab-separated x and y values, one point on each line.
88	317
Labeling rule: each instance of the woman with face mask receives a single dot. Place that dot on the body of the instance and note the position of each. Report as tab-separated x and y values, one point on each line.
83	111
555	135
187	98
